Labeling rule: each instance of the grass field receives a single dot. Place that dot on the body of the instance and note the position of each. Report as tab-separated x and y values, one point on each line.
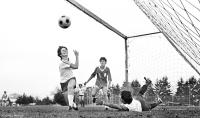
95	112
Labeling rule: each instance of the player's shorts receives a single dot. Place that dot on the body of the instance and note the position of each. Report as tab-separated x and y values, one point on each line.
64	86
4	100
97	88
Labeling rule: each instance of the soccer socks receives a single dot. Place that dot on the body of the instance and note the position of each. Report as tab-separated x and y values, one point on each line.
70	100
94	99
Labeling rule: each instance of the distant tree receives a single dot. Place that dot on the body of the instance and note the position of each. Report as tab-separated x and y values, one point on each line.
38	101
125	84
24	99
189	86
31	99
135	83
47	101
59	98
135	86
192	81
180	88
116	89
162	87
150	94
194	90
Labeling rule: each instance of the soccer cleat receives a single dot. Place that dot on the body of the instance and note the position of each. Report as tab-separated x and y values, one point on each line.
75	108
148	81
70	108
94	100
106	108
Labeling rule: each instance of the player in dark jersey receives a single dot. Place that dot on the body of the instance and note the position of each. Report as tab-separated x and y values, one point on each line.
103	80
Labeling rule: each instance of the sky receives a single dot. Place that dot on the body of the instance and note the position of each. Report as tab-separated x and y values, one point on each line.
30	36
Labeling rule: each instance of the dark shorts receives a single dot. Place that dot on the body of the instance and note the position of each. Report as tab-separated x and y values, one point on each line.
4	100
64	86
144	105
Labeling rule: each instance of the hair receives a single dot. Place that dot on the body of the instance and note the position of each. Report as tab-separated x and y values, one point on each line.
126	97
59	51
80	85
103	58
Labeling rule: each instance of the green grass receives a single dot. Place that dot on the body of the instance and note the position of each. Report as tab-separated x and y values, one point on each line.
95	112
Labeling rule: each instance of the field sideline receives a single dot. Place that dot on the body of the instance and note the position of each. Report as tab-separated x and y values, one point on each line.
95	112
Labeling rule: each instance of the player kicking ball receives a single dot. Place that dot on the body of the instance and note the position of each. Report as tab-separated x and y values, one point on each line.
68	80
103	80
135	103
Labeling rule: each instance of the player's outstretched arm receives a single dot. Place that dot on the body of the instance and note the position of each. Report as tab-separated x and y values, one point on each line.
92	76
76	65
114	106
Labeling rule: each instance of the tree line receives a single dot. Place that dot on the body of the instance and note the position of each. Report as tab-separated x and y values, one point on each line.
187	92
27	100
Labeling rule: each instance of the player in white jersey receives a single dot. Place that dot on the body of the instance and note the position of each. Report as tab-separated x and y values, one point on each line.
4	99
68	80
136	103
81	93
103	80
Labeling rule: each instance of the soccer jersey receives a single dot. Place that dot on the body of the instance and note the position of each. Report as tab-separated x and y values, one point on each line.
4	97
135	105
65	71
102	76
82	91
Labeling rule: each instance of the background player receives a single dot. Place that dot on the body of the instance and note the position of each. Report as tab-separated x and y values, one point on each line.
4	99
81	93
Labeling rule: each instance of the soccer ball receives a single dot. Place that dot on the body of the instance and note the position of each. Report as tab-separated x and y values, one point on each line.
64	22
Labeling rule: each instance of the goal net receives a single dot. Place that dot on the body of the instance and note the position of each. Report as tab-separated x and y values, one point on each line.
179	21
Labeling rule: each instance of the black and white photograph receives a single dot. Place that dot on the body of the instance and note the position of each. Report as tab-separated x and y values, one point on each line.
100	59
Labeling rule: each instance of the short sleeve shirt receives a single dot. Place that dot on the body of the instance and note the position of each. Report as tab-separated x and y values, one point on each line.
65	71
134	106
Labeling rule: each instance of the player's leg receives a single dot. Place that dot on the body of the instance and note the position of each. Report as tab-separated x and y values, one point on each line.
83	101
80	100
70	88
105	94
146	106
94	92
64	87
153	105
109	96
3	103
144	87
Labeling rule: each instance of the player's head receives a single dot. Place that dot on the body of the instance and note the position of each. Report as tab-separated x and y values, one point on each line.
62	52
103	61
126	97
4	91
80	85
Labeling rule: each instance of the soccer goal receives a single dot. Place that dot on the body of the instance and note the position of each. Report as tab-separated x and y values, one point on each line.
178	24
